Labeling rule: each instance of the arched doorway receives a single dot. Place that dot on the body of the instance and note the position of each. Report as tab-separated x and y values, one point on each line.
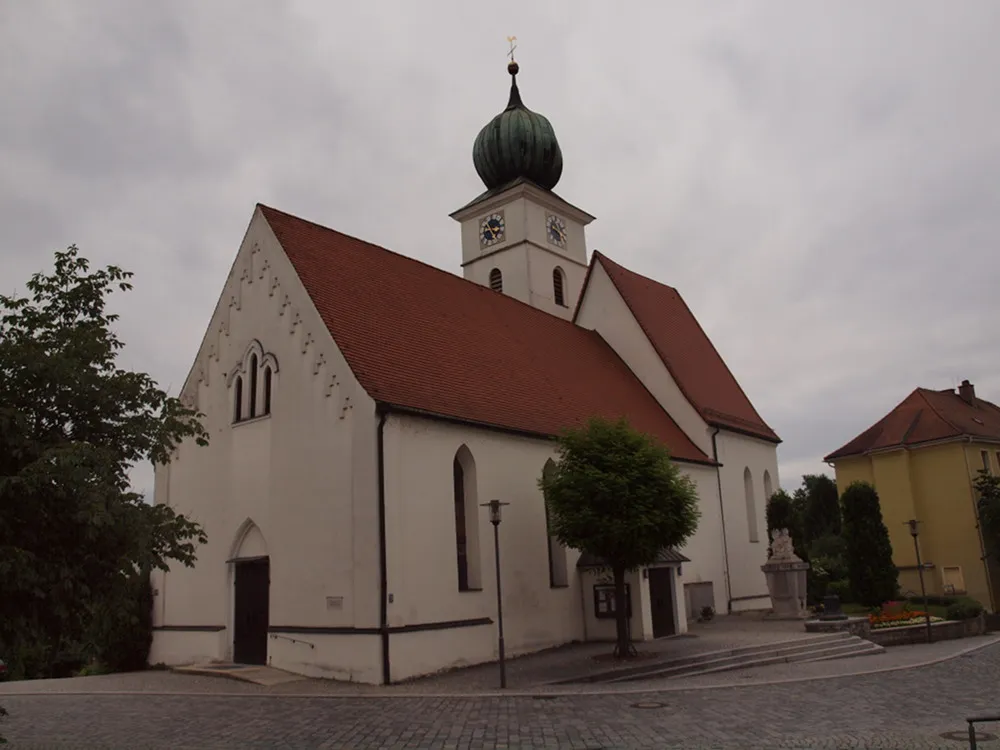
251	570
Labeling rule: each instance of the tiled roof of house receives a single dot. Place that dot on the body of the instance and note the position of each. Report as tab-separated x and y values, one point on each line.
421	338
687	352
926	416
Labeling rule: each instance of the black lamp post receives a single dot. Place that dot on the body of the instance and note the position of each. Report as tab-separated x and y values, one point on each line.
494	506
914	532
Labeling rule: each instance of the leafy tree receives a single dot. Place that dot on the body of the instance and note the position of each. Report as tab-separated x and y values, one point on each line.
873	576
988	488
72	534
822	507
615	494
783	514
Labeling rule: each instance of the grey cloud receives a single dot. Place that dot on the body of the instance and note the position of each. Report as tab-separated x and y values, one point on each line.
819	181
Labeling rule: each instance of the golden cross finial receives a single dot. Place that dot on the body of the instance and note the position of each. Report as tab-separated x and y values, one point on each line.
511	41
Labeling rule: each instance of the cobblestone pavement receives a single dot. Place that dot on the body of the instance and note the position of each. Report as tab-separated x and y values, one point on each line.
905	709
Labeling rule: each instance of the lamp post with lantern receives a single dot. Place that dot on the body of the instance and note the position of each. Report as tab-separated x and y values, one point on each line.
914	532
494	506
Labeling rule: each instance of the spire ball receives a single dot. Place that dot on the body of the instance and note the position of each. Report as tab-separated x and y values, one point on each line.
512	68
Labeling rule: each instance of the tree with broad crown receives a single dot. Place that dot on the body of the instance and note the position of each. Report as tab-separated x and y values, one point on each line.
615	493
822	507
73	537
873	576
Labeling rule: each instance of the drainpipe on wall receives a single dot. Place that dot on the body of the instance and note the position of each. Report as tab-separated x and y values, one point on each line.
383	616
979	527
722	514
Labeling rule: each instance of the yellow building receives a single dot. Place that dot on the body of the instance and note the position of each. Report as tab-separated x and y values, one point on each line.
922	458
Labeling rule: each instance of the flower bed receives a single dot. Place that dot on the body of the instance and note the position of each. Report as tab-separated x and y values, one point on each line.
900	620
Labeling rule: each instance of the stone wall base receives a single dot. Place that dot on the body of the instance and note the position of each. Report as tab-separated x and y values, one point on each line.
940	631
859	626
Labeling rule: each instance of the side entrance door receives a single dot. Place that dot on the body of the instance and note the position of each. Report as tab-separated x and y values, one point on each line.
252	584
661	599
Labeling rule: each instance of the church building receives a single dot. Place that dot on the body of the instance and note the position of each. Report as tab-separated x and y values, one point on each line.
364	406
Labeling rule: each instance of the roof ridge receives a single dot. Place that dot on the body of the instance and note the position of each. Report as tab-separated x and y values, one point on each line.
701	329
923	395
409	259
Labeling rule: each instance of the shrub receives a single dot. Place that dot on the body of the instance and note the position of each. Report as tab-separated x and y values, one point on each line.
123	630
963	609
841	588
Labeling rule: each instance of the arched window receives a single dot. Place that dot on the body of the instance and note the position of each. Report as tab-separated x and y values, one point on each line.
253	386
768	488
267	389
496	280
558	574
751	505
238	399
466	521
558	287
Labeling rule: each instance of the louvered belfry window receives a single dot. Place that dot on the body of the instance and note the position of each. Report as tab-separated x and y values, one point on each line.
496	280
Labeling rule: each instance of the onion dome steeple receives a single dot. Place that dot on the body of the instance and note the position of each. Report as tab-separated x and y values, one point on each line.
517	143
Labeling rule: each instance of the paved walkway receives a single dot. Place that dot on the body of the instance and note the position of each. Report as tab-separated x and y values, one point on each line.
909	708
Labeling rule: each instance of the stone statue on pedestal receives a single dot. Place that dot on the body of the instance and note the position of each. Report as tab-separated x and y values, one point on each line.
786	578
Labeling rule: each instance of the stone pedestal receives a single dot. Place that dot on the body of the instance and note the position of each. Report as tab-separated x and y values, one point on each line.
786	578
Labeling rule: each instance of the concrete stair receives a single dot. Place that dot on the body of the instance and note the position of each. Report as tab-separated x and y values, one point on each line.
814	648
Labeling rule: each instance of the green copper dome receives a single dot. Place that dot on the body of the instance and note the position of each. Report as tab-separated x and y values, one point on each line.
517	143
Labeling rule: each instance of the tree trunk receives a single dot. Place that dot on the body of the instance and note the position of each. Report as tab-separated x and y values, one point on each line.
623	645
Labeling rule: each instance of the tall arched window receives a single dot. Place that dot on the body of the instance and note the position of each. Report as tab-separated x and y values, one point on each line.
768	488
238	399
496	280
267	389
253	386
559	287
751	505
466	521
558	574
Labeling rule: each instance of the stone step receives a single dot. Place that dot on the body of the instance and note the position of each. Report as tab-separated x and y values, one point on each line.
617	675
840	648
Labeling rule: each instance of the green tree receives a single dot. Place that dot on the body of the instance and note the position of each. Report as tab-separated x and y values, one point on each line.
615	493
782	513
988	488
822	507
873	576
72	423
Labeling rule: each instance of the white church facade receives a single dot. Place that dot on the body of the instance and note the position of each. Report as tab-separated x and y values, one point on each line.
362	406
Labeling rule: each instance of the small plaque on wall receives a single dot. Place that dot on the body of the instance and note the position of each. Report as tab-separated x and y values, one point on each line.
604	601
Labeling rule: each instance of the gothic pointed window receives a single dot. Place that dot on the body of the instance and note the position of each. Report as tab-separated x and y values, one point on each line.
267	390
558	573
253	386
238	399
558	287
496	280
466	521
751	506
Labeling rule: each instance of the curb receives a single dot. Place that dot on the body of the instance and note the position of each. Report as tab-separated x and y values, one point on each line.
538	693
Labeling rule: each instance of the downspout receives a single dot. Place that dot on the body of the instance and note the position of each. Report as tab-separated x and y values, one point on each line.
383	618
979	527
722	514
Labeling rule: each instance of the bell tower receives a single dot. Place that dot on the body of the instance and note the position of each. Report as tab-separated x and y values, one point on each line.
519	238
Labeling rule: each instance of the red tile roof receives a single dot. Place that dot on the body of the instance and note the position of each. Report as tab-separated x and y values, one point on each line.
421	338
687	352
926	416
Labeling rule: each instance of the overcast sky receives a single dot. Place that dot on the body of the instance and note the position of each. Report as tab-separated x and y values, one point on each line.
821	181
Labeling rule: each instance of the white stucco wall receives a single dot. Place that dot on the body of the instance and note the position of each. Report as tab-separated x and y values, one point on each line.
705	548
421	553
737	453
305	475
603	310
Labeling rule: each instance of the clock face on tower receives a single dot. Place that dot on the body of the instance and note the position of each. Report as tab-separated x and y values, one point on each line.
555	230
492	229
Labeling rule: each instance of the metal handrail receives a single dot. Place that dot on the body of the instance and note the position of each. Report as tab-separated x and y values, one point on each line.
973	720
293	640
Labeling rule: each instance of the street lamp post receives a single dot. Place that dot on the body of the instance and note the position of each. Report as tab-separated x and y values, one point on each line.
494	506
913	524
